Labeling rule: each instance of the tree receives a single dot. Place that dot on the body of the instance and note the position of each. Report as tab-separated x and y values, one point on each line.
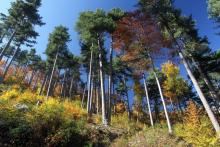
92	27
214	10
21	15
174	86
144	41
174	27
56	48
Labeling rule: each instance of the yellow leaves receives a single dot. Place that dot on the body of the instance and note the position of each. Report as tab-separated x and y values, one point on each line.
73	111
170	69
197	128
11	94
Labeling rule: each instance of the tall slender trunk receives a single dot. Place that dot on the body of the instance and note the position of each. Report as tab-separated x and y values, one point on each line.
43	84
83	98
161	95
195	83
6	62
201	95
89	79
31	78
2	37
147	99
127	99
71	87
208	82
7	45
36	81
51	76
91	97
110	83
98	96
104	119
63	82
12	59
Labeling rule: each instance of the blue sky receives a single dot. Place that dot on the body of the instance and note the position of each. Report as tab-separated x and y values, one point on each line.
66	12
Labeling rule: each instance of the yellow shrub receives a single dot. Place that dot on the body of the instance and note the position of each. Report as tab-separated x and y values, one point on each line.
10	94
197	129
73	110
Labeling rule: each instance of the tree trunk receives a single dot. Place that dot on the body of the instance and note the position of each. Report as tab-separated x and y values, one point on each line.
12	59
63	82
164	104
91	98
89	79
201	95
31	78
104	119
35	83
196	85
2	37
148	102
51	76
208	82
161	95
110	83
7	45
71	87
6	62
83	98
43	84
127	99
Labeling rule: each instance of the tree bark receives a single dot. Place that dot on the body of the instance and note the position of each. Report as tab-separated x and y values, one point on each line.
104	119
2	37
35	83
147	99
43	84
127	99
71	87
91	98
51	76
83	98
31	78
12	59
110	83
89	79
63	82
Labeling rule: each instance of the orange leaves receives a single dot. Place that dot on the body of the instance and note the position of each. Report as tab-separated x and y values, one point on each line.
137	35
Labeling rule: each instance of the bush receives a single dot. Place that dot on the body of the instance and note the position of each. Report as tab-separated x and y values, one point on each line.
197	129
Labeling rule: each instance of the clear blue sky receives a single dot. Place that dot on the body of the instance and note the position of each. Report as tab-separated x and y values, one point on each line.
66	12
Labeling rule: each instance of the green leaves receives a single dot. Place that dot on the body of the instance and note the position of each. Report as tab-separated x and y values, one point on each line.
57	41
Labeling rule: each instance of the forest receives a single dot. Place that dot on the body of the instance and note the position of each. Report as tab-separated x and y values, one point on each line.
144	78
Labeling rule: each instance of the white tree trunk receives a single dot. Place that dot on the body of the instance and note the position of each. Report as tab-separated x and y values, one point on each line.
71	87
148	102
83	98
43	84
91	97
51	76
201	95
89	79
63	83
110	83
104	119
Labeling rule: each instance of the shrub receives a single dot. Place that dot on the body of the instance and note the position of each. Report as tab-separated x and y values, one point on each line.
197	129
